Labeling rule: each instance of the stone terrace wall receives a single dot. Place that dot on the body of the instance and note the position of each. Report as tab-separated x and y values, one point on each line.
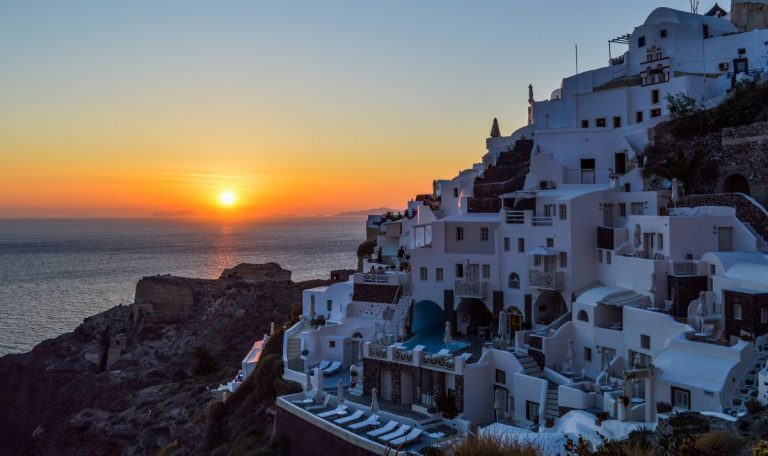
746	210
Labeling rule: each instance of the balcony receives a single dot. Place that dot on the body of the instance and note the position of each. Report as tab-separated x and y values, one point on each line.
470	289
545	280
527	218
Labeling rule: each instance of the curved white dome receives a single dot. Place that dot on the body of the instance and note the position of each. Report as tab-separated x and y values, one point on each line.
668	15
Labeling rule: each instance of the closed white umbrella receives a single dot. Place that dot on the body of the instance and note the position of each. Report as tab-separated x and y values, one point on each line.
569	355
308	387
401	329
447	336
319	380
374	401
272	328
340	393
675	192
701	310
503	324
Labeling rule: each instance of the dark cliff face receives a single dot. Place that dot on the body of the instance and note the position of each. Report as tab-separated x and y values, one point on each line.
53	401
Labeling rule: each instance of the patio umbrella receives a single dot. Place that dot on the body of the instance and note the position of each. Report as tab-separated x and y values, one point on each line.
447	337
319	380
503	324
675	192
638	235
401	329
340	393
701	310
272	328
569	355
374	401
308	388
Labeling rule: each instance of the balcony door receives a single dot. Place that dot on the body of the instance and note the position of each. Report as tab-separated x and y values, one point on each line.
550	263
608	215
725	239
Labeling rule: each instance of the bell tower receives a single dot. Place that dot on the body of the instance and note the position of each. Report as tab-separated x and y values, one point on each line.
749	15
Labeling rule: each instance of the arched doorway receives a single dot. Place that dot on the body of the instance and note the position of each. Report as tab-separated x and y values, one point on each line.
736	183
472	314
357	348
549	306
425	314
514	320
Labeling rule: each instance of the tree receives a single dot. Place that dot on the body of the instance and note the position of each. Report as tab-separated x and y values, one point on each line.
694	6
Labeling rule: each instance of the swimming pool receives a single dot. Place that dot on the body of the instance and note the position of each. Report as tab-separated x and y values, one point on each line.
432	339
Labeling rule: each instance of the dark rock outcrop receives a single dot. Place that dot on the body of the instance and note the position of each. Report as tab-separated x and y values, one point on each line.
53	401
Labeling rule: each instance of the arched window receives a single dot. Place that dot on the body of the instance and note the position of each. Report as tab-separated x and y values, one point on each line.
514	281
582	315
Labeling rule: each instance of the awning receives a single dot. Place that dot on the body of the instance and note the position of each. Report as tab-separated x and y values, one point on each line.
543	251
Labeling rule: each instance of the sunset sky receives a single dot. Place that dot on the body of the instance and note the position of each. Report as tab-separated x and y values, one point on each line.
296	107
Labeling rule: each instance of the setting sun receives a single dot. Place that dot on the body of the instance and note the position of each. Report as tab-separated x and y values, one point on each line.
227	198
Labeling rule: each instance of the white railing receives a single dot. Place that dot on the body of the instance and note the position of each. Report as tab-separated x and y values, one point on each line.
442	362
587	176
470	289
515	217
404	356
377	351
542	221
545	280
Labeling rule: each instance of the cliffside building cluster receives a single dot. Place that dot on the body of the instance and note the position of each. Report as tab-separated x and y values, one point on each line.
579	296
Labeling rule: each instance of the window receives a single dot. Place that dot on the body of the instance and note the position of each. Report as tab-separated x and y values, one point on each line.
459	270
663	33
506	244
550	242
600	122
501	376
521	245
483	233
585	123
331	344
563	259
712	269
455	192
645	341
655	96
737	311
532	411
423	274
486	271
439	274
639	116
563	211
607	257
549	210
764	315
459	233
329	305
656	112
582	315
587	354
617	122
622	209
637	208
599	256
641	42
681	398
514	281
660	241
537	260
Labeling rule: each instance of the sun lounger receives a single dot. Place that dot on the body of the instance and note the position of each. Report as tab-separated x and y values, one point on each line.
319	406
348	419
389	427
406	439
401	431
333	368
436	435
323	365
444	352
372	420
340	410
466	356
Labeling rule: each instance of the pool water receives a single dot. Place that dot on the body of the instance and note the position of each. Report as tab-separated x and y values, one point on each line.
432	339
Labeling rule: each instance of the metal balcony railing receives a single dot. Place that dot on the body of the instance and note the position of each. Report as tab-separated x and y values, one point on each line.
470	289
545	280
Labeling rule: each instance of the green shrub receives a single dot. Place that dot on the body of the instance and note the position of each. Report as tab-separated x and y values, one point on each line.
719	443
495	446
205	363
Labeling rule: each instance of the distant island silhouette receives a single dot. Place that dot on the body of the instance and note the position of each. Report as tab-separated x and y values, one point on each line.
375	211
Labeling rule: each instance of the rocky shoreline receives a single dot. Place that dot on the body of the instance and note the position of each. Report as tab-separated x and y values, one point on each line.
135	379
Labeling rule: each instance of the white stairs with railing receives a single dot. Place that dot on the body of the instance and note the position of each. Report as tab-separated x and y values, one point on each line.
400	313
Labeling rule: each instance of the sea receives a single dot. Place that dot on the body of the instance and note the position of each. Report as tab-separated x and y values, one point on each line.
56	272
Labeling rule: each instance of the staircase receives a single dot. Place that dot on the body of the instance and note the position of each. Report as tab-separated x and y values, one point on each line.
552	409
530	366
293	349
395	318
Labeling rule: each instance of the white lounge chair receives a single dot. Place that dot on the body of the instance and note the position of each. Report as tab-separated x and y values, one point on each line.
406	439
319	406
389	427
348	419
372	420
333	368
466	356
340	410
323	365
436	435
444	352
401	431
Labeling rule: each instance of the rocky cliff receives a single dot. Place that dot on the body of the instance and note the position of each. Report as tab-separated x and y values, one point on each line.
180	338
